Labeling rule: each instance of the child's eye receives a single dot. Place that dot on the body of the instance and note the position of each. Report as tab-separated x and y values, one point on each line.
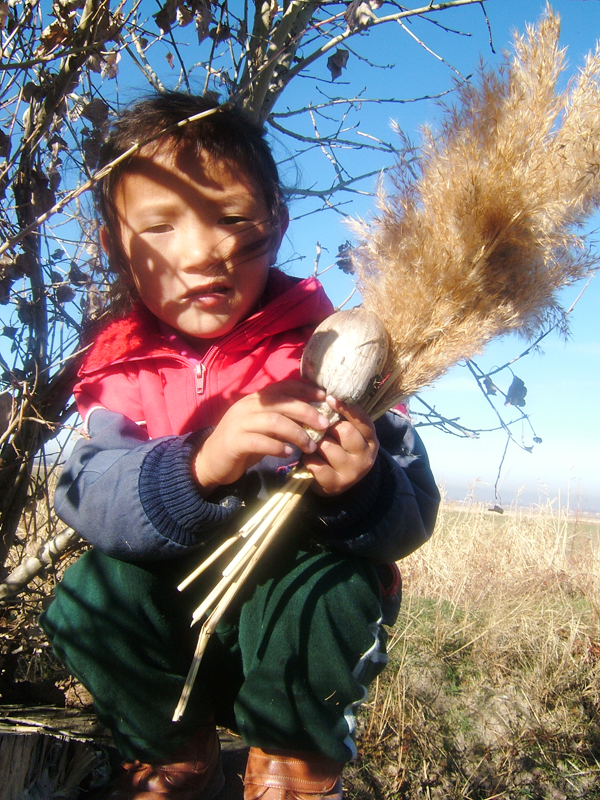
163	227
232	219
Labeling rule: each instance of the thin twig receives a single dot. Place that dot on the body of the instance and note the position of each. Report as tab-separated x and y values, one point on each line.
68	198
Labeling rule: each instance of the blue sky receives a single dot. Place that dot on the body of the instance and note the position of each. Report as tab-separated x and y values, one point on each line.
563	383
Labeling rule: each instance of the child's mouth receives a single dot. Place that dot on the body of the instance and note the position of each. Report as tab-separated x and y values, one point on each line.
212	294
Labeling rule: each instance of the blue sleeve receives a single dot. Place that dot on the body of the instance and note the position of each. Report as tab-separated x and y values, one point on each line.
393	510
135	498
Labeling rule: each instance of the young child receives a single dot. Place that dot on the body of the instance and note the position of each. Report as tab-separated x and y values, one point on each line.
195	410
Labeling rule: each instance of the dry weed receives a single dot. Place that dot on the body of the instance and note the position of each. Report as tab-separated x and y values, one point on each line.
492	688
29	673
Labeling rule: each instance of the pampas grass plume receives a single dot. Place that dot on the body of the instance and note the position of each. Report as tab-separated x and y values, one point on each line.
478	241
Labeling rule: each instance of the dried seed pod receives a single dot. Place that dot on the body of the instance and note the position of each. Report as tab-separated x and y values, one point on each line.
344	354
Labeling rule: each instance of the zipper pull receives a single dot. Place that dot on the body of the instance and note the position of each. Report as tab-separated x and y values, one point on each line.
199	371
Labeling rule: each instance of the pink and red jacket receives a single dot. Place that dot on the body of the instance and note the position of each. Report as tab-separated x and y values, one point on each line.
148	402
135	369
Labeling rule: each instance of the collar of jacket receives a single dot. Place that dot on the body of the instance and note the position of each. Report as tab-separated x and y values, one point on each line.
287	303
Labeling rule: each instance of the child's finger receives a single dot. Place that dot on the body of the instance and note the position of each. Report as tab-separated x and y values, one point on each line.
295	412
279	427
342	441
356	415
295	399
262	445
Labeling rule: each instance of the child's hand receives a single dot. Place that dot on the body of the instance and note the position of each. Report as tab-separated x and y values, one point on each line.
346	453
262	424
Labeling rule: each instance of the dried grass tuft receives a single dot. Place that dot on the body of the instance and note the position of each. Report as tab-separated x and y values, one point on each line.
476	239
493	684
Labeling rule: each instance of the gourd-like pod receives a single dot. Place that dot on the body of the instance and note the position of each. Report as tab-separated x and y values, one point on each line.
343	356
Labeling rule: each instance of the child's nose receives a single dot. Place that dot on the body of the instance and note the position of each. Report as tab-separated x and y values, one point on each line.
200	246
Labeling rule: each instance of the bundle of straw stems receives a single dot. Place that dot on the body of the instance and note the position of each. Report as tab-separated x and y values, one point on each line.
480	232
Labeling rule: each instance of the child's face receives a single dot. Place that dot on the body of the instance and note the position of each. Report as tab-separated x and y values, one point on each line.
184	220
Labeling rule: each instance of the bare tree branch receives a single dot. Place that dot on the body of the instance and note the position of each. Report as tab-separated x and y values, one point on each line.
31	567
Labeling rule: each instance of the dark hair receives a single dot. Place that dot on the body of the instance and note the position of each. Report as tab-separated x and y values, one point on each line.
228	134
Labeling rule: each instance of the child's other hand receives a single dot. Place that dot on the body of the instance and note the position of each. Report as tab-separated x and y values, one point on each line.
262	424
346	453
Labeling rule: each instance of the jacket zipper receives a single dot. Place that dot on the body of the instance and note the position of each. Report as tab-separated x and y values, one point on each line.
199	377
200	373
201	369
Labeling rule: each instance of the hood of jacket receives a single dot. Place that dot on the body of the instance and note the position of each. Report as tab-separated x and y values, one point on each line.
134	369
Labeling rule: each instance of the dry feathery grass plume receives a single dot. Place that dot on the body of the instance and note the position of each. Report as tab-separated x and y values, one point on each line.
477	243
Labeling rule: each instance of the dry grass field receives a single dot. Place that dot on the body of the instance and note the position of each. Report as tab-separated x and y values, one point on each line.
493	686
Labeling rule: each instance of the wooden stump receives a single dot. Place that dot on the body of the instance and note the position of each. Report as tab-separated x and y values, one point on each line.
42	759
61	754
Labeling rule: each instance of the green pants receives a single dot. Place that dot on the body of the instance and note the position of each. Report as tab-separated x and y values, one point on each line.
286	668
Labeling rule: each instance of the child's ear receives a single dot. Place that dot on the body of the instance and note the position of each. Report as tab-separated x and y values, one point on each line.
104	240
284	221
278	234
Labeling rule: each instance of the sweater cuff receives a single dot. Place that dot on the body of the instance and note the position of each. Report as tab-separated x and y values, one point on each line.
171	498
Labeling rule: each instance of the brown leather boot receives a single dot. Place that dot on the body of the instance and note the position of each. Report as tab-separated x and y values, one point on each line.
193	773
288	775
